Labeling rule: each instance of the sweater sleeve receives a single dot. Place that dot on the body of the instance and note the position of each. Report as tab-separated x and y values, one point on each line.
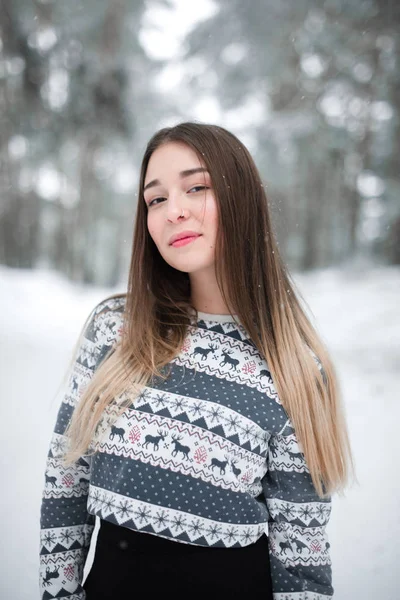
65	525
298	543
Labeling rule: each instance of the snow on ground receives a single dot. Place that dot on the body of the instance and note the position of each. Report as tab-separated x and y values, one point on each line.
355	309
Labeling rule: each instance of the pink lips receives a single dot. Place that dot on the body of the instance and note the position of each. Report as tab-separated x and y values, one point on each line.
184	241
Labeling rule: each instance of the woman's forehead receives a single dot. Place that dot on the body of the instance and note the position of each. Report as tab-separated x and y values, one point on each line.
176	156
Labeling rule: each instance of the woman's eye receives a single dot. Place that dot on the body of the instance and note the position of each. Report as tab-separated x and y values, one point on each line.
199	187
196	187
150	203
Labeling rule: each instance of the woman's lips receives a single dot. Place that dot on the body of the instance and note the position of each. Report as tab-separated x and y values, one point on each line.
185	241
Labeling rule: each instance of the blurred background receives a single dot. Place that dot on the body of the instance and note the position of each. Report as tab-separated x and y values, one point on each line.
312	87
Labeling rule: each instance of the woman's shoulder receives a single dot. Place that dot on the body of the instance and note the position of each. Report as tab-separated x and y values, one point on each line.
110	306
106	320
105	323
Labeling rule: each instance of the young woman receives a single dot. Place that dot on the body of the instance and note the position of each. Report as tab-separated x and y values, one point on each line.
202	422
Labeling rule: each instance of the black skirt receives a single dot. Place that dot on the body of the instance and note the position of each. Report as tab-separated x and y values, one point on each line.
127	562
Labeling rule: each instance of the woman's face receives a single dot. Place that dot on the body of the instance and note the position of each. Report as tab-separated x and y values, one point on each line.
177	181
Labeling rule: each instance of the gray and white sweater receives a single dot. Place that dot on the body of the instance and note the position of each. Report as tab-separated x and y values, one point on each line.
207	457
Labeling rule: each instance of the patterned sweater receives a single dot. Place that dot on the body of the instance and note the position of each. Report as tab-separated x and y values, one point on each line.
207	457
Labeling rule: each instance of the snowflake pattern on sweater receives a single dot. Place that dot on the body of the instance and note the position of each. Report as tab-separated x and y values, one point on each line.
207	457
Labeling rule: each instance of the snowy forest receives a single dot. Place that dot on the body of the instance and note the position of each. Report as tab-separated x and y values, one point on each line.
311	87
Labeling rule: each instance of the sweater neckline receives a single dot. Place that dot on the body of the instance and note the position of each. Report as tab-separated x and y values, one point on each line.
216	317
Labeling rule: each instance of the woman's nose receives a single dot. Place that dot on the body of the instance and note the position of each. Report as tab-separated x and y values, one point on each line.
176	215
175	207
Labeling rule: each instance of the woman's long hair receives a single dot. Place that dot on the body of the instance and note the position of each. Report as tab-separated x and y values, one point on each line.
254	284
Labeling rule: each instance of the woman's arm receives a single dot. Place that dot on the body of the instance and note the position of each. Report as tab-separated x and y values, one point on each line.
299	547
65	525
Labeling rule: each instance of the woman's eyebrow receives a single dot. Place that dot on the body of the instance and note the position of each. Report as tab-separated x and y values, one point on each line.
182	175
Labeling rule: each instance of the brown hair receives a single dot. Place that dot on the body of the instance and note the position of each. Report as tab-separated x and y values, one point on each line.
254	284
